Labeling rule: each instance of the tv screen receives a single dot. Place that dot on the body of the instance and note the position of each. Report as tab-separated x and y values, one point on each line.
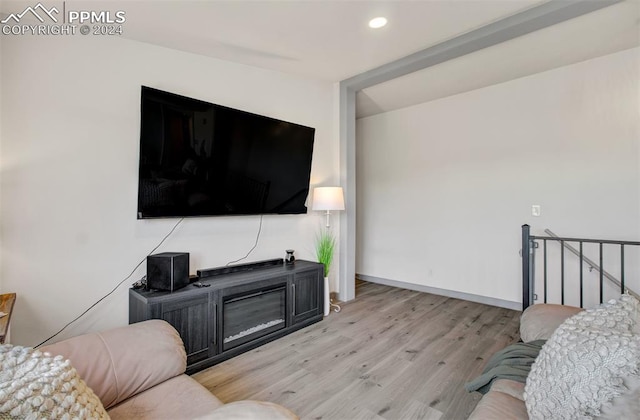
202	159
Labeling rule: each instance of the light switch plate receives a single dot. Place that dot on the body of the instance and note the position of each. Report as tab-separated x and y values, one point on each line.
535	210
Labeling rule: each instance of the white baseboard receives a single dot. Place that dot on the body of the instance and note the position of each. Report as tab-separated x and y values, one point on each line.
517	306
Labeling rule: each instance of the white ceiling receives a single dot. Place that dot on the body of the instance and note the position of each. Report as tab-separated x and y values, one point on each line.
595	34
330	40
323	39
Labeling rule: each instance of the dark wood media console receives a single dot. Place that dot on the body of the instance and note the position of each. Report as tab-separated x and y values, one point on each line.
239	311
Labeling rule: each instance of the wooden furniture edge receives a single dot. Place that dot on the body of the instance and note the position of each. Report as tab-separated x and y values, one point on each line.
7	301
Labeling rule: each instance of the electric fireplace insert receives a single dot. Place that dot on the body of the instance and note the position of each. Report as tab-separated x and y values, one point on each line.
252	315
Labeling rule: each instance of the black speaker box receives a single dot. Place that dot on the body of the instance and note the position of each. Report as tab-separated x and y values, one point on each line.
168	271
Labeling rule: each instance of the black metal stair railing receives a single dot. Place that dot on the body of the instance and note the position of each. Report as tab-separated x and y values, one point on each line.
530	244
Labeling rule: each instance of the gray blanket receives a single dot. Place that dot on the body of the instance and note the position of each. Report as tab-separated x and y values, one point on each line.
513	362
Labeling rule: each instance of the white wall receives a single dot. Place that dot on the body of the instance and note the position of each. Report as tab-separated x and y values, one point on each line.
70	139
444	186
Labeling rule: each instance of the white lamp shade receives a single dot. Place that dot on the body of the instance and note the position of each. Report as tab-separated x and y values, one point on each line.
328	198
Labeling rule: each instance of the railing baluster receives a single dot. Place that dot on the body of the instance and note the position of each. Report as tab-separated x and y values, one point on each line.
526	281
621	268
562	272
533	296
544	244
601	272
581	276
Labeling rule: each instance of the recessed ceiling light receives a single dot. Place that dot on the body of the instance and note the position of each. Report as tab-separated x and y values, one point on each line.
378	22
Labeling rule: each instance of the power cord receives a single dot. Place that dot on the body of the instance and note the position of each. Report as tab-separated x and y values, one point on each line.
254	245
115	288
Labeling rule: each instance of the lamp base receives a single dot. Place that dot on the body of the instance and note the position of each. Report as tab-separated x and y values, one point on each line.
336	307
327	298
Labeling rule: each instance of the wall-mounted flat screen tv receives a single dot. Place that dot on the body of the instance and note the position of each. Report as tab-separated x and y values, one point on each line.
202	159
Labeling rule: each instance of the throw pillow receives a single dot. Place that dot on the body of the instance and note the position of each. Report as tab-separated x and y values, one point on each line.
35	385
583	365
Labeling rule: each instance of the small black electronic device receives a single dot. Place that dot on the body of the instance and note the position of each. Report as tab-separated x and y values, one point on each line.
168	271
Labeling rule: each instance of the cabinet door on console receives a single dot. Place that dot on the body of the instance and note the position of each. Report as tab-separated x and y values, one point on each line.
195	320
307	295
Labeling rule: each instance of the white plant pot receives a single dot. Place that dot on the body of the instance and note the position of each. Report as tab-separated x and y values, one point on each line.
327	298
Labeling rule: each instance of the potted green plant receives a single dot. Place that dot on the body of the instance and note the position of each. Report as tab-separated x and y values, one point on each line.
325	247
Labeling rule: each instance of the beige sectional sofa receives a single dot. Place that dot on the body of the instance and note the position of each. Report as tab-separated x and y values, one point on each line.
137	372
506	399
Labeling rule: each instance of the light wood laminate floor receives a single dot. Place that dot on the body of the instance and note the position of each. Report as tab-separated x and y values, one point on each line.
389	354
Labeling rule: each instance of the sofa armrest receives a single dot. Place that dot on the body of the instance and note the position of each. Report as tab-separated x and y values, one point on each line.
498	405
250	410
119	363
538	322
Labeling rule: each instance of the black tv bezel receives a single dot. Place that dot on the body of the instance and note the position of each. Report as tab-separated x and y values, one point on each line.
141	216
